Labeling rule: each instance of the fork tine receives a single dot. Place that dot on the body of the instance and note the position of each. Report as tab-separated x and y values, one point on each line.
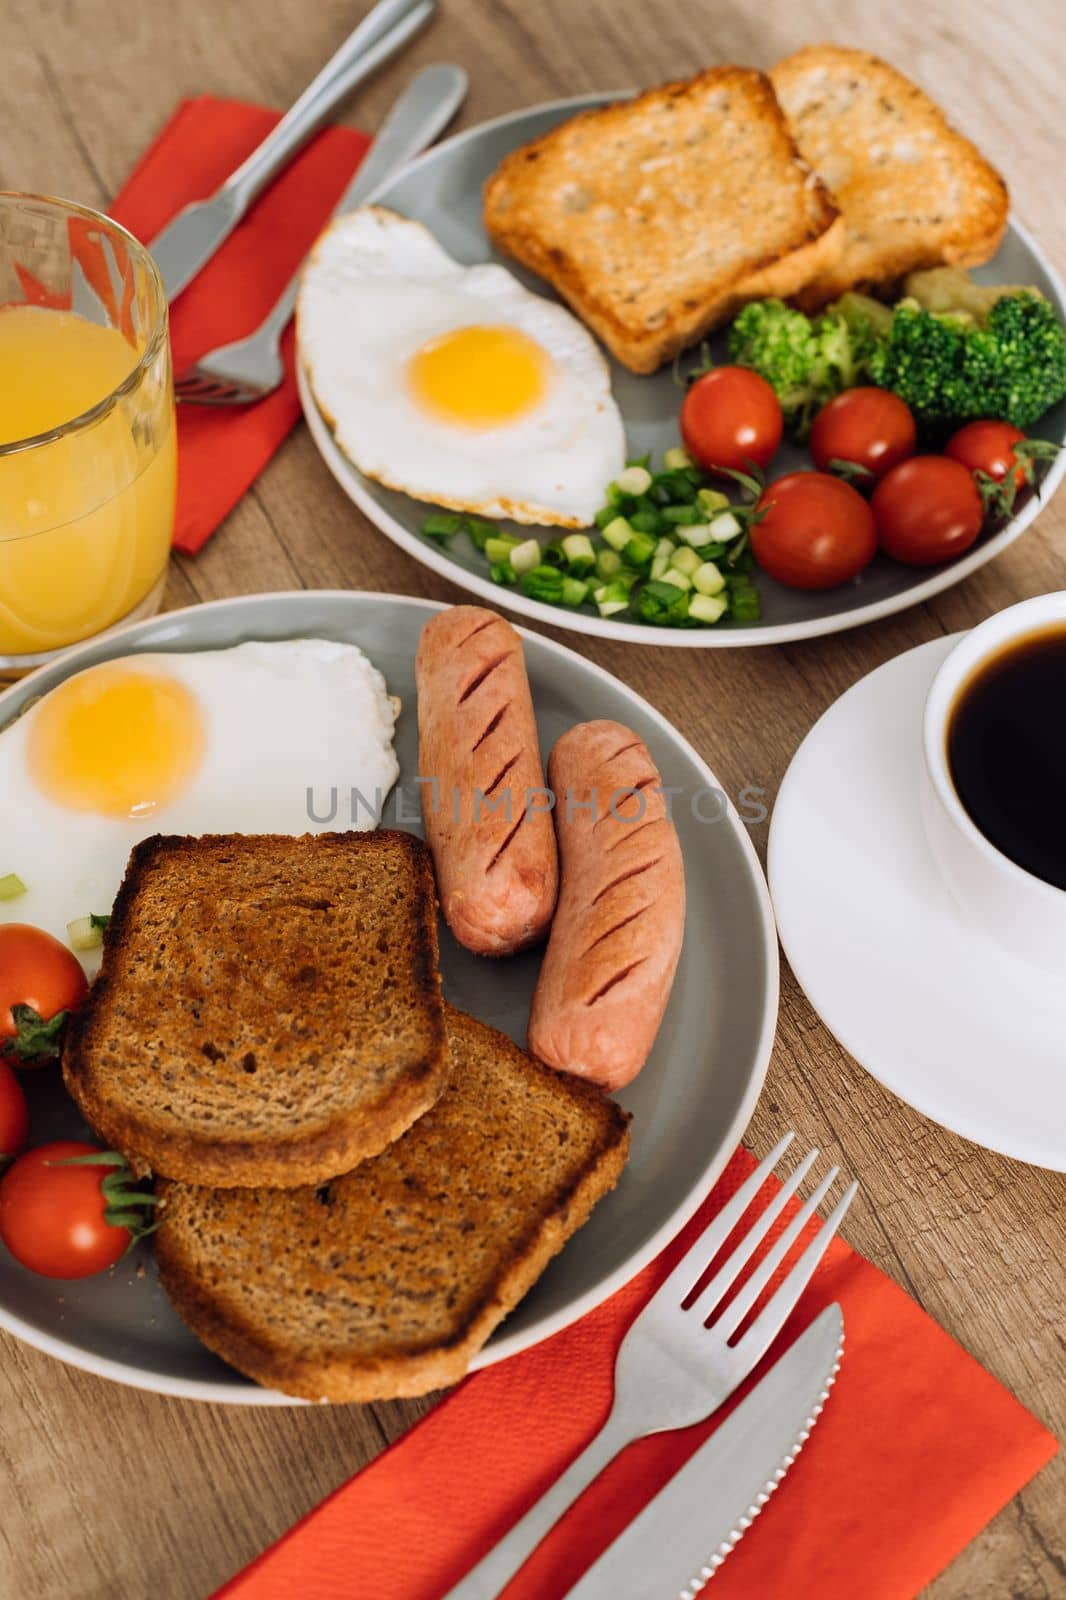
727	1275
695	1262
738	1308
772	1317
190	384
207	391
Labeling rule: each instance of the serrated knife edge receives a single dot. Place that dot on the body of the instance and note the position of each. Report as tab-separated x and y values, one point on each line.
728	1545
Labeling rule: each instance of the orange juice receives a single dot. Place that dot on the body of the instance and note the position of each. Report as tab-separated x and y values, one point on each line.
85	518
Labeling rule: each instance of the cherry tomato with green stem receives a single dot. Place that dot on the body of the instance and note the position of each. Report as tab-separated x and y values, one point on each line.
731	420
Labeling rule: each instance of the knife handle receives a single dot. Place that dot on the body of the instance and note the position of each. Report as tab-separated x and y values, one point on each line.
380	34
496	1569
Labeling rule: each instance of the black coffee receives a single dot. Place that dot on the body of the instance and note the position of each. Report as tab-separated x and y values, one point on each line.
1007	752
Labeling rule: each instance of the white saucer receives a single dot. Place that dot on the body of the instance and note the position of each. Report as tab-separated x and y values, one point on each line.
931	1006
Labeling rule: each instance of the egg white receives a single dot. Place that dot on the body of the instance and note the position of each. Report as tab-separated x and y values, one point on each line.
376	289
282	720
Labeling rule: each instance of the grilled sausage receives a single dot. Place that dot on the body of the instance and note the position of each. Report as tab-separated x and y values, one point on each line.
483	798
616	938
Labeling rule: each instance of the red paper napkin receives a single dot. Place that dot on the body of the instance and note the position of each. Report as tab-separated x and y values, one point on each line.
917	1448
222	450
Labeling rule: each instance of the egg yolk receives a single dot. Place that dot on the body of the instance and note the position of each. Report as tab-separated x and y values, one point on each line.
480	377
116	740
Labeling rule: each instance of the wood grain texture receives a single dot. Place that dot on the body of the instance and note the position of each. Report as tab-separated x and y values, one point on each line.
107	1492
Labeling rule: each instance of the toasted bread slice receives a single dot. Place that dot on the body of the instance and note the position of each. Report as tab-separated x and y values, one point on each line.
268	1010
657	217
386	1282
913	192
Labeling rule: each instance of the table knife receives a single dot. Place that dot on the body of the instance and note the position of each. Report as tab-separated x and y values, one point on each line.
682	1537
189	241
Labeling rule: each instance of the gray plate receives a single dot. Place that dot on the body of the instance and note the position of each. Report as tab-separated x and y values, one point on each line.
690	1104
443	190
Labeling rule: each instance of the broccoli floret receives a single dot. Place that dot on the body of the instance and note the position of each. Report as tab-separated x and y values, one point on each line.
806	362
951	366
779	344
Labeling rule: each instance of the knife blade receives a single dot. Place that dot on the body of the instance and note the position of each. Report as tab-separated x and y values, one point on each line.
682	1537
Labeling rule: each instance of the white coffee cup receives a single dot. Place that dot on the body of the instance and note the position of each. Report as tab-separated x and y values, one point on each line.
1021	912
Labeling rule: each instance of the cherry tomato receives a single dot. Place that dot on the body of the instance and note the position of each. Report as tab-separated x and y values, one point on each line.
928	510
817	531
730	419
39	972
52	1216
872	428
14	1117
989	447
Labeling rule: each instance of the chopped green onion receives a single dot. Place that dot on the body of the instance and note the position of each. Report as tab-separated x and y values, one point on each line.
608	564
639	550
676	487
605	515
662	603
575	591
611	599
525	556
658	566
480	531
682	514
498	549
680	580
646	521
726	527
745	604
85	933
11	887
542	583
443	525
677	459
707	579
712	500
695	533
707	607
684	560
554	555
634	480
618	533
580	555
503	572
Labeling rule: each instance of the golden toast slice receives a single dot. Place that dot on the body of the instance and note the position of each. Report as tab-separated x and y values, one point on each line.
656	218
913	192
387	1281
269	1008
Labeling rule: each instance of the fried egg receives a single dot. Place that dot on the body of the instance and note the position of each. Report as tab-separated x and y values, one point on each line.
455	384
260	738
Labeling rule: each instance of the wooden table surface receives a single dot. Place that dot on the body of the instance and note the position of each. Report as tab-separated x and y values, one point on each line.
109	1492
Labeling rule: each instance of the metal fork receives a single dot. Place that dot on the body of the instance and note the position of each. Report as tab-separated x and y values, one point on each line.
252	367
671	1369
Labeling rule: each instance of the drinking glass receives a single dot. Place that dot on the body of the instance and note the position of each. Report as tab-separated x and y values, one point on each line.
87	502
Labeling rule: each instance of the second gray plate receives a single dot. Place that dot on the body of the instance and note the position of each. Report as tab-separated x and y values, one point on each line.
690	1104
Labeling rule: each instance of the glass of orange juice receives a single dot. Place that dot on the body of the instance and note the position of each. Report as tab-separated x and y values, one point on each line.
87	432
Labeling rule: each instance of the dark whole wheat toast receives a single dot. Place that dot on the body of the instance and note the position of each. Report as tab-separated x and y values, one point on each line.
657	217
268	1009
387	1281
913	192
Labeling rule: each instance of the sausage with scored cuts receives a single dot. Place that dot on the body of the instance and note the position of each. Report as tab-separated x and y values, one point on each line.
483	799
616	938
